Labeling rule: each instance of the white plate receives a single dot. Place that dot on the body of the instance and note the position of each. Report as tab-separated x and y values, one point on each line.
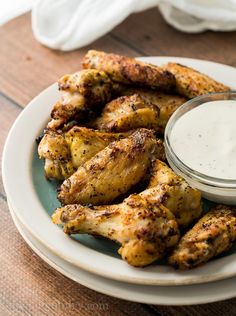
31	199
160	295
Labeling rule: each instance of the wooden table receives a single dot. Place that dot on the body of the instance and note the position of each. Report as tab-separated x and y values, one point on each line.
28	286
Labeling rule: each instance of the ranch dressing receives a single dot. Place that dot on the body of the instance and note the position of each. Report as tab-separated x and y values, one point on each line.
204	139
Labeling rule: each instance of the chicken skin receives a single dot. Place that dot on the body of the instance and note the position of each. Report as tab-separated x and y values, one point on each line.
127	113
212	235
167	103
111	172
65	152
56	152
145	232
173	192
80	92
191	83
129	70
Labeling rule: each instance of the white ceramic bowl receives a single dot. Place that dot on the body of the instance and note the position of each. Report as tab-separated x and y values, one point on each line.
214	189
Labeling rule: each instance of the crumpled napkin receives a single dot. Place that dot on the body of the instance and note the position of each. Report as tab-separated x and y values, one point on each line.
70	24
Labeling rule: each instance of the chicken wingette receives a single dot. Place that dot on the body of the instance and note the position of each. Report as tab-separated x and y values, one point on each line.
129	70
112	171
212	235
127	113
173	192
64	152
192	83
81	92
167	103
145	232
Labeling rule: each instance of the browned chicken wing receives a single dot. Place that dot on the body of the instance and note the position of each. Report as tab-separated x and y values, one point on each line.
191	83
129	70
80	92
212	235
111	172
167	103
127	113
144	231
65	152
174	193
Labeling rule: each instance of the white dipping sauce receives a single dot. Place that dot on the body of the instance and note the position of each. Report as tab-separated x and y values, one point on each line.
204	139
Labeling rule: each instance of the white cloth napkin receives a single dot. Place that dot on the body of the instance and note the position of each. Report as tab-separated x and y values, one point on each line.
70	24
12	8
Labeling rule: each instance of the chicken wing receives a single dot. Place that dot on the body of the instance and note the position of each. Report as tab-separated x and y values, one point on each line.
191	83
65	152
129	70
174	193
112	172
145	232
127	113
212	235
54	149
167	103
80	92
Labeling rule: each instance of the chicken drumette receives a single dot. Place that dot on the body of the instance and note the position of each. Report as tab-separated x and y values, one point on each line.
212	235
144	227
145	232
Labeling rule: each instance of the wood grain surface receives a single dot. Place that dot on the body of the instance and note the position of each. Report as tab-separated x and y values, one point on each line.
28	286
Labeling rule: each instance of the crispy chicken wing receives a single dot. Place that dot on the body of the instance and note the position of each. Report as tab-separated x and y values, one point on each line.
191	83
80	92
56	152
167	103
144	231
65	152
112	172
127	113
129	70
213	234
174	193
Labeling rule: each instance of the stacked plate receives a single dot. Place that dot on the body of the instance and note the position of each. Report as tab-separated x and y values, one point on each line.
87	260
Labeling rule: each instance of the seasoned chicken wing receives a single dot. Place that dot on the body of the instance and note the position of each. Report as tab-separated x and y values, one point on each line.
212	235
80	92
65	152
129	70
167	103
111	172
127	113
56	152
191	83
144	231
174	193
